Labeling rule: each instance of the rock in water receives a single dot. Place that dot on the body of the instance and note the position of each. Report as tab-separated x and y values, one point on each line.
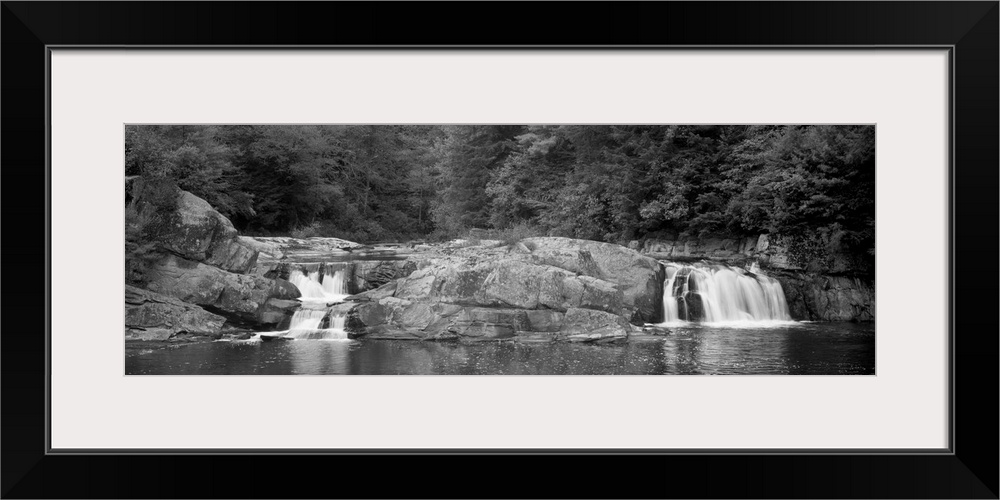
275	311
243	296
512	284
588	325
152	316
554	290
639	278
480	323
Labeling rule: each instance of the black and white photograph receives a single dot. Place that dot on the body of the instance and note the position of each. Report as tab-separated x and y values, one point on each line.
504	242
499	249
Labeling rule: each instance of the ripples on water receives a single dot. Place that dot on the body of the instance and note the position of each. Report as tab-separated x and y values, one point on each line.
785	348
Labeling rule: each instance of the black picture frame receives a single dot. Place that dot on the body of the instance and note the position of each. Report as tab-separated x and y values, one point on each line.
969	30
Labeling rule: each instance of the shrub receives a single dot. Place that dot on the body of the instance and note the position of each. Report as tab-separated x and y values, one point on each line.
141	246
509	235
307	231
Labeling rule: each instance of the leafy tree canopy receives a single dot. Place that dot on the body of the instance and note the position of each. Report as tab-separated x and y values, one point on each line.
605	182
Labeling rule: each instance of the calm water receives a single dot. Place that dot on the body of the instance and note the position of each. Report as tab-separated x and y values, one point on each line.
797	349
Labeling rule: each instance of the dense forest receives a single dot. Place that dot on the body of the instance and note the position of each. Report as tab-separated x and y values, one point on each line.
811	184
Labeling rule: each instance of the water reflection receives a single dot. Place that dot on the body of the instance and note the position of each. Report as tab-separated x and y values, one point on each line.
819	348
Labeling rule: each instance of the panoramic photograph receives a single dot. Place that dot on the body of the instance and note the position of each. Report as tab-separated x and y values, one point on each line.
499	249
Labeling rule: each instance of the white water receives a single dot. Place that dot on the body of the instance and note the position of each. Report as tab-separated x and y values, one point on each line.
669	302
728	296
306	324
307	319
316	288
334	285
319	291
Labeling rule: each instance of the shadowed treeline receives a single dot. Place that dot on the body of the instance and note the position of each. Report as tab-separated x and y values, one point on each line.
814	185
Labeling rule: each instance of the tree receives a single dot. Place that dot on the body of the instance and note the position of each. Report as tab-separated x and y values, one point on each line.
466	157
814	185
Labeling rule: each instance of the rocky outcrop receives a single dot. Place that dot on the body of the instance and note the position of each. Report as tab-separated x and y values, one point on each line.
587	325
401	319
515	295
233	255
153	316
368	275
203	264
818	297
511	283
828	253
276	312
762	248
198	232
279	248
638	277
242	296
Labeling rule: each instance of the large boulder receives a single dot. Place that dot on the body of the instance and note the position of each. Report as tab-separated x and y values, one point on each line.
195	230
153	316
394	318
232	255
470	299
638	277
241	295
201	233
275	311
588	325
512	284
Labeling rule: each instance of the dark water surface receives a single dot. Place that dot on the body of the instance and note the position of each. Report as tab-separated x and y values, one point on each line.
796	349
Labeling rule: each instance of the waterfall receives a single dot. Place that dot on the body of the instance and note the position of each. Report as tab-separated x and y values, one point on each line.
669	302
337	322
307	323
319	287
721	294
334	284
307	319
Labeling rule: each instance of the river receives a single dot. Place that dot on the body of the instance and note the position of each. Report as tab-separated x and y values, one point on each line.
785	348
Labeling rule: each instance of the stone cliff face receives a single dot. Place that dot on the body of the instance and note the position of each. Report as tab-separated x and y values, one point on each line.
729	250
202	277
834	288
819	297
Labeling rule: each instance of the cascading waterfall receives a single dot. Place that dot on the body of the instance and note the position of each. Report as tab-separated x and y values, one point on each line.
307	319
334	284
669	302
308	323
337	322
721	294
320	288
